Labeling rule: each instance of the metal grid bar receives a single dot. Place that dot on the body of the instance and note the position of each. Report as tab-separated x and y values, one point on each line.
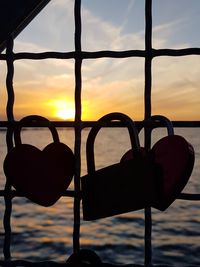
149	53
78	87
106	53
147	115
10	117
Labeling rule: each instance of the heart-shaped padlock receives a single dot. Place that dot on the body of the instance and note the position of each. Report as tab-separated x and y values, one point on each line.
173	158
41	176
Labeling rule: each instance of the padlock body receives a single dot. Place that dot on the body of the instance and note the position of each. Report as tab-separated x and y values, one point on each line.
119	188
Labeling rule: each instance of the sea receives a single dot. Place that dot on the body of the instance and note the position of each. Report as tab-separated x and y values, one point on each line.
46	233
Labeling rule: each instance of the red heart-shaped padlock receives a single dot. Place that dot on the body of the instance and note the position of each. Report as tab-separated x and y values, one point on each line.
173	157
173	160
41	176
130	154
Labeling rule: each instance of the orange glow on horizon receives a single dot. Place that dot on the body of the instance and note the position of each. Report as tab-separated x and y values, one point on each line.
65	109
62	109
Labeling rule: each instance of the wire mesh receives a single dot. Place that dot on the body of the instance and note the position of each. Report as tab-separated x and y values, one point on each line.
78	55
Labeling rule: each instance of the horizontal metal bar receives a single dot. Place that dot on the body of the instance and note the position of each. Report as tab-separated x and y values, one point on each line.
72	193
75	54
175	52
14	193
85	124
104	53
63	124
189	196
24	263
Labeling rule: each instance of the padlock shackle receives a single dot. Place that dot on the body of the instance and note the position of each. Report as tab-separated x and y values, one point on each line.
159	119
33	119
164	120
135	143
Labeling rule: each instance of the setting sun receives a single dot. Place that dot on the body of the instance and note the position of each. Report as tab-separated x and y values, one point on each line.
62	109
65	114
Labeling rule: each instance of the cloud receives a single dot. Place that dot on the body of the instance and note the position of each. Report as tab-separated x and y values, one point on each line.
52	29
163	34
108	84
103	35
176	87
127	13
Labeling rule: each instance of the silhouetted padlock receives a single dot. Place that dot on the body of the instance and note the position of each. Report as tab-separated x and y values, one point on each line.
119	188
173	158
84	257
41	176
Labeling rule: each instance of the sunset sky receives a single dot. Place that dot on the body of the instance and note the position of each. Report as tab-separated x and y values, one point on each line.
46	87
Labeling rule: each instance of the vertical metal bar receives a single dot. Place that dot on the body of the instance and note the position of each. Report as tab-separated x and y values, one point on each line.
148	57
147	94
10	117
78	86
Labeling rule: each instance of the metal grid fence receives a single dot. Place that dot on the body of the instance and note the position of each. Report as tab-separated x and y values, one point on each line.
149	53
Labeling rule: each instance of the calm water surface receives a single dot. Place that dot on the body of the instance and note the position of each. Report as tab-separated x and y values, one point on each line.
46	233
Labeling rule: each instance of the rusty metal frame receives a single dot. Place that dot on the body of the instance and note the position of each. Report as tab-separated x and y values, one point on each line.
78	55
